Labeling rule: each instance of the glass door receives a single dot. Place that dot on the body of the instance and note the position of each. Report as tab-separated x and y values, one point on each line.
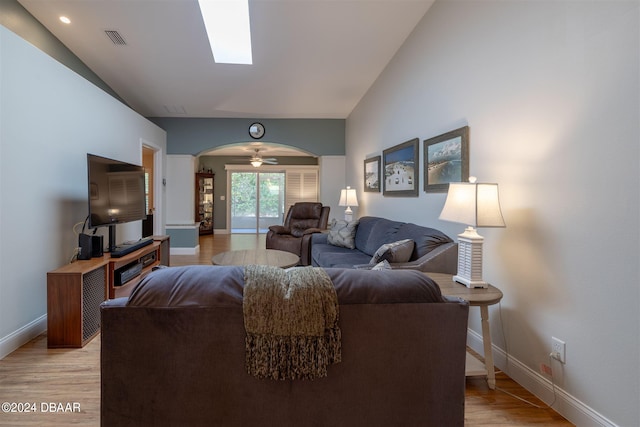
257	201
270	200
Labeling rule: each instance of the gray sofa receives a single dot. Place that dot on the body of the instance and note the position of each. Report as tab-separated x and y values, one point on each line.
173	353
434	251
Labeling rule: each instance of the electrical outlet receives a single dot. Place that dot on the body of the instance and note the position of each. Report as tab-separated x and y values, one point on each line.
558	349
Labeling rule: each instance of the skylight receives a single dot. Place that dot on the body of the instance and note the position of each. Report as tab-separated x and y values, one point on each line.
227	25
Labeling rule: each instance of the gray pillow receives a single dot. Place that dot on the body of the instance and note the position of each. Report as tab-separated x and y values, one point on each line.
399	251
343	233
384	265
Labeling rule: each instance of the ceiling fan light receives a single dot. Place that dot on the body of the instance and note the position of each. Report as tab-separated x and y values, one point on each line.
256	163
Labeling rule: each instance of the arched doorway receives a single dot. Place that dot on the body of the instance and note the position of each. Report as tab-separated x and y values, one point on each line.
251	197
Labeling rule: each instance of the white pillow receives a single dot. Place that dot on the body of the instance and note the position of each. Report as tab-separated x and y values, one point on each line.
343	233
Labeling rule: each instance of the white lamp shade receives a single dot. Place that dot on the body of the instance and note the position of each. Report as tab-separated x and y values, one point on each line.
474	204
348	197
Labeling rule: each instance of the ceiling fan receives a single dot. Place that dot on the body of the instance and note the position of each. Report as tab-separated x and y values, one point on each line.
257	160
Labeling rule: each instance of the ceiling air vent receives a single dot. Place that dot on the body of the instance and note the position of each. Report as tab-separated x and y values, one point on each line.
115	37
175	109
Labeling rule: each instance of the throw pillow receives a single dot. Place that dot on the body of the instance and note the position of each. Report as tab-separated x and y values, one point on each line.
343	233
384	265
399	251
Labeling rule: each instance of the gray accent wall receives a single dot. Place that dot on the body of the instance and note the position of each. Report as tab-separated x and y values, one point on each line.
195	136
183	238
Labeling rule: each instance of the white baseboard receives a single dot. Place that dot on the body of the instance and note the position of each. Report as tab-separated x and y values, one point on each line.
185	251
18	338
565	404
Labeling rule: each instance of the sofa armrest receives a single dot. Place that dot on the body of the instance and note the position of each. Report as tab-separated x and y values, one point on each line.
312	230
279	229
454	300
443	259
319	238
118	302
363	266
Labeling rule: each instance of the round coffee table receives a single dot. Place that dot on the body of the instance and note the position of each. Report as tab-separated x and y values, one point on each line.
272	257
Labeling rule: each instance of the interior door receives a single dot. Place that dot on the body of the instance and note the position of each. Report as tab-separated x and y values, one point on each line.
148	164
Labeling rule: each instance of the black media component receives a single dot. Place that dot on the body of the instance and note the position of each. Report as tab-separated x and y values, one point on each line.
85	245
122	275
127	248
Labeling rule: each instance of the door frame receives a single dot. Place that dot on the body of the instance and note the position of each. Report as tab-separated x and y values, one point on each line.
158	185
259	172
265	168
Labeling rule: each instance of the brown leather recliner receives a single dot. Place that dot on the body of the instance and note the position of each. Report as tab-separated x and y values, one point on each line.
303	219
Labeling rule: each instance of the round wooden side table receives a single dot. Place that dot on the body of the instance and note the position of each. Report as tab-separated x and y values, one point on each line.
483	298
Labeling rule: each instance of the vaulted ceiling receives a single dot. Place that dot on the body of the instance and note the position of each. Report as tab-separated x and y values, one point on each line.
312	58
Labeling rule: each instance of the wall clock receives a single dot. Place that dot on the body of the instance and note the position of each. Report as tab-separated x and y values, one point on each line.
256	130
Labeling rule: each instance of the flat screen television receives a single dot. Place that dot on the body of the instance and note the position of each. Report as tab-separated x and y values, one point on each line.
116	192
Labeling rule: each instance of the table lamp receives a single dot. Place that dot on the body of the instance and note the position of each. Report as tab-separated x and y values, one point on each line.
348	198
476	205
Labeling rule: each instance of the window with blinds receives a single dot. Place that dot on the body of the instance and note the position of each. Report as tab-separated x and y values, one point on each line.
301	186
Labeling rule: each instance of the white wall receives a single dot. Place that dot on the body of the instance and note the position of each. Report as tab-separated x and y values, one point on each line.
332	180
49	119
181	169
550	91
181	225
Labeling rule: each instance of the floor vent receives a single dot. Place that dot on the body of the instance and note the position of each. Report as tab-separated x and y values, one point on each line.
115	37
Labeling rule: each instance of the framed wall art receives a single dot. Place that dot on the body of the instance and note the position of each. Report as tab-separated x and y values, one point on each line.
372	174
401	169
446	159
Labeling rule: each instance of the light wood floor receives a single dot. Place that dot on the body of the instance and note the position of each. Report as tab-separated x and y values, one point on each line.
38	376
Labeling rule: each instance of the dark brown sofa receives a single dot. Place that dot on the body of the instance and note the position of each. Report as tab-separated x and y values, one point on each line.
302	221
174	354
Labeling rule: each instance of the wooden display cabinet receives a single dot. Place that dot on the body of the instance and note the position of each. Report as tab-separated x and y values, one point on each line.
204	202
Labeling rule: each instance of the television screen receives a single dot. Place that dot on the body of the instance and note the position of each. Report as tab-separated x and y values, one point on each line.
116	191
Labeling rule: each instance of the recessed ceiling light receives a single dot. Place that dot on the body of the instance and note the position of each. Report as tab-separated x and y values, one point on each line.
228	29
65	20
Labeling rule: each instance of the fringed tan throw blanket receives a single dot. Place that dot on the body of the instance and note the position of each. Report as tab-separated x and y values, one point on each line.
291	320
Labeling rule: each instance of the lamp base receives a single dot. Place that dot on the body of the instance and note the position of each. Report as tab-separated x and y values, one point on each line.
348	214
470	283
470	259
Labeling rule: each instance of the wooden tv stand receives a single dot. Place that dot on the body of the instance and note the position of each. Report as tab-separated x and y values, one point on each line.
151	253
75	291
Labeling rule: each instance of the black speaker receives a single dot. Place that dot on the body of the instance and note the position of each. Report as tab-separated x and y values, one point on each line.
90	246
85	242
97	246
